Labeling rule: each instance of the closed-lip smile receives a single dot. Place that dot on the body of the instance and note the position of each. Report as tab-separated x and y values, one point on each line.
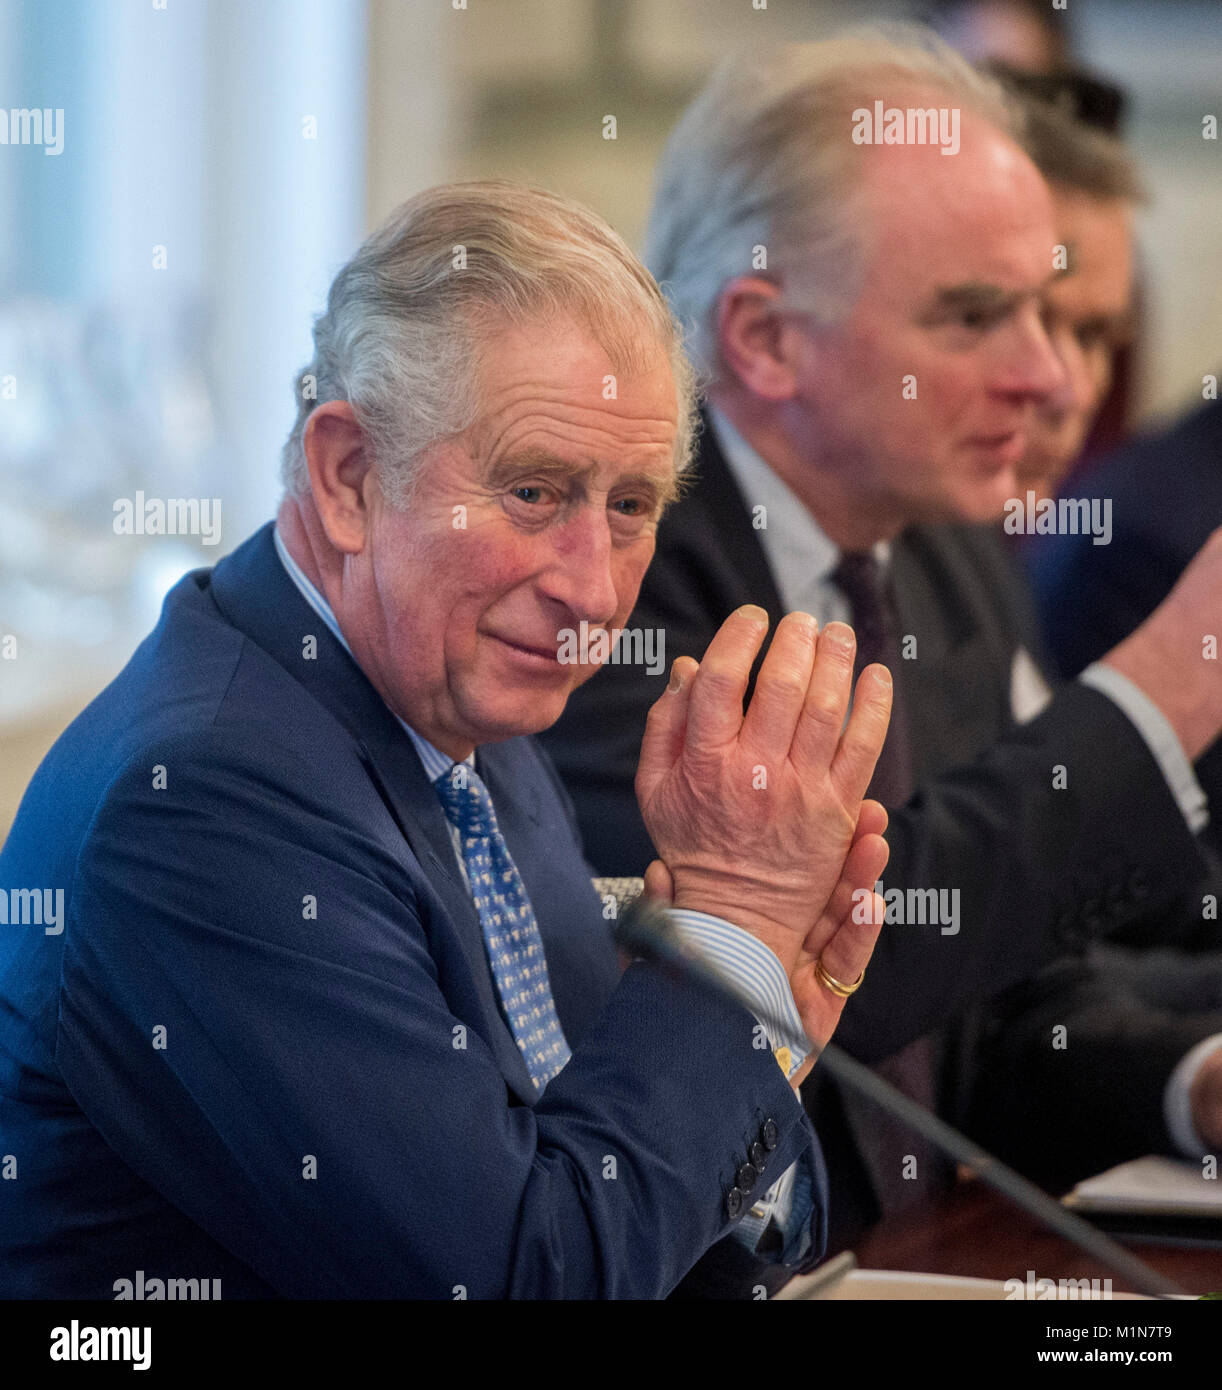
541	653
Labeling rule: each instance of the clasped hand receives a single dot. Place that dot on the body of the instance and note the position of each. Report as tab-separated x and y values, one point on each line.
761	818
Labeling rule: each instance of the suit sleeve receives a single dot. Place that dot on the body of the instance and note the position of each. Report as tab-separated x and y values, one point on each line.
1063	832
1070	1072
1092	597
251	1016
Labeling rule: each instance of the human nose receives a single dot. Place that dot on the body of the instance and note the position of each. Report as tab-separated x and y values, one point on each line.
1034	371
581	574
1077	389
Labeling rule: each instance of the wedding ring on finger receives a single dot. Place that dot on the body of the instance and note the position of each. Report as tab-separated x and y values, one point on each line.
837	987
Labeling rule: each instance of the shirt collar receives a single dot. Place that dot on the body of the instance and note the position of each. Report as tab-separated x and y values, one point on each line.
436	763
792	533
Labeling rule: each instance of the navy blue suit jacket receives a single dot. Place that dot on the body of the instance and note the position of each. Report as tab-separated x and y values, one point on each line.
1165	491
201	1078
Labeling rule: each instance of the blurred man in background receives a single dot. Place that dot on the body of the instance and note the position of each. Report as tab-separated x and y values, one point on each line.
1170	962
870	319
1088	310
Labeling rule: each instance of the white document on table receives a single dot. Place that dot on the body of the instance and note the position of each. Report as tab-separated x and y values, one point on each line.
1152	1186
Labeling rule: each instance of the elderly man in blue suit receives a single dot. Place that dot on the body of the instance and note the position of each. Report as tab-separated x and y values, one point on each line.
332	1009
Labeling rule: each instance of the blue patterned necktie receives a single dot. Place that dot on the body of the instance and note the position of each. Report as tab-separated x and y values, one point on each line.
511	934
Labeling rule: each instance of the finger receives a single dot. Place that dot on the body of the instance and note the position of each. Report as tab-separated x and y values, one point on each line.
658	883
848	951
871	820
827	698
862	740
863	867
664	728
780	687
716	712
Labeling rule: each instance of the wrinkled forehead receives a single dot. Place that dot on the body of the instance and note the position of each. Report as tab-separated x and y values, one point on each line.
553	391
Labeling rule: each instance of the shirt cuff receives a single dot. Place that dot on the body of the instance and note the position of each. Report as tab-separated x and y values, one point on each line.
1160	738
1177	1099
795	1227
754	974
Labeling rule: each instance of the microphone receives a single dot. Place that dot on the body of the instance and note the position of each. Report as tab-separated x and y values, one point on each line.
644	929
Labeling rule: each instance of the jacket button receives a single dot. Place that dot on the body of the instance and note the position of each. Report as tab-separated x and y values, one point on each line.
769	1134
1139	888
734	1203
758	1155
745	1177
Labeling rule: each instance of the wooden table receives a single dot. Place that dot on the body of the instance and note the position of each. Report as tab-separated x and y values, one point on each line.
974	1231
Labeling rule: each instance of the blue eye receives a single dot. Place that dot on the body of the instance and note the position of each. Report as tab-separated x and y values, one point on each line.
519	492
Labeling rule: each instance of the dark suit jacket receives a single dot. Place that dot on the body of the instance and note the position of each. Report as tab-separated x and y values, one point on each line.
1166	496
266	1047
1041	870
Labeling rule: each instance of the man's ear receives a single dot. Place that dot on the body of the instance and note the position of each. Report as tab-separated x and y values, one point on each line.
338	458
754	339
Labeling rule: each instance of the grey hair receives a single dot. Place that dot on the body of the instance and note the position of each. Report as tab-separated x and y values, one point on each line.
762	161
411	315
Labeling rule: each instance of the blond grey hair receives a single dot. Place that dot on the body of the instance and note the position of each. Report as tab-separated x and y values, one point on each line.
411	316
762	159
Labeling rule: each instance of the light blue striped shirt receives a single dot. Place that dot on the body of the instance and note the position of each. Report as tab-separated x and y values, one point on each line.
748	967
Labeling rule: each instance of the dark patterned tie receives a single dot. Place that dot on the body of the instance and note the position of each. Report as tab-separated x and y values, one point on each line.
889	1149
860	578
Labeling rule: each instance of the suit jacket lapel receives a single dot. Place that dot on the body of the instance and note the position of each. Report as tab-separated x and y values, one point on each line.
726	521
